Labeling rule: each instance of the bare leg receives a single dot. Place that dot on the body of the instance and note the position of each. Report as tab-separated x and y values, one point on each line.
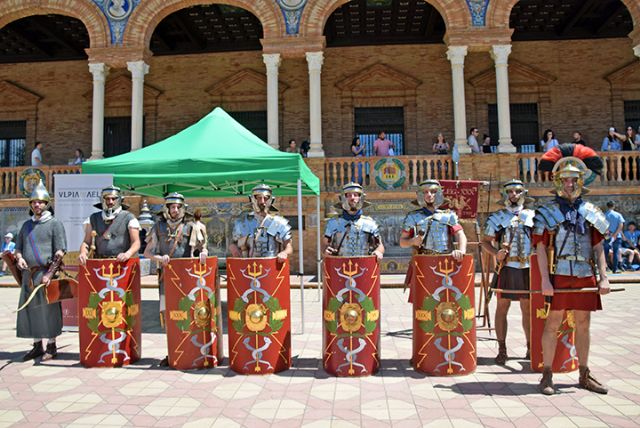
501	329
583	321
526	322
550	336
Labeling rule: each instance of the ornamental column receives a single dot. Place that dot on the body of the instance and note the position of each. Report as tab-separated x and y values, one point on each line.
314	61
138	69
99	71
500	55
456	55
272	61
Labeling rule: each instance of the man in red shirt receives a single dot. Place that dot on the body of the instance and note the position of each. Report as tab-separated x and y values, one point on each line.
571	231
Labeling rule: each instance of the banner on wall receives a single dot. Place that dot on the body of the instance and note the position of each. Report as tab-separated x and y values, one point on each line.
75	195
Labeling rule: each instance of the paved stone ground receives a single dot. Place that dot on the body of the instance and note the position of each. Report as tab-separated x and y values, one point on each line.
61	392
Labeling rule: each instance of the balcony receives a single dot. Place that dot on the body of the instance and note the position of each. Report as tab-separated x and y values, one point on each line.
404	173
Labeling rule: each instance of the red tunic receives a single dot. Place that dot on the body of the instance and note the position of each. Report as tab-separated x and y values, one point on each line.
588	301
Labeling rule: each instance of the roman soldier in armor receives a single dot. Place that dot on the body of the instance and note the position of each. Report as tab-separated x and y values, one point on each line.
111	232
507	237
352	234
568	234
429	230
261	233
170	237
40	246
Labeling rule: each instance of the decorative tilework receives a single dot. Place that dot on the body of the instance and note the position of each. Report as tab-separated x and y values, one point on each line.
292	11
117	13
478	9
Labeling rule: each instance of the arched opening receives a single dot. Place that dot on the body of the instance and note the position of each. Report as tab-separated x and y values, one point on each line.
39	38
207	28
384	22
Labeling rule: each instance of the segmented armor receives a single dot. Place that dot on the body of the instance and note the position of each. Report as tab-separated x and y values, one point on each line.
513	231
261	239
362	236
573	255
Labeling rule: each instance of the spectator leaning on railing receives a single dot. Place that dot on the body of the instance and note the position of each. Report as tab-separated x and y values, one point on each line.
548	140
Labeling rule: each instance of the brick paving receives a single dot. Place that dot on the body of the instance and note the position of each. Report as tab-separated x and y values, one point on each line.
62	393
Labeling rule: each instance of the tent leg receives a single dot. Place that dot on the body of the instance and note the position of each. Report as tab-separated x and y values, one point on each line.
319	251
300	254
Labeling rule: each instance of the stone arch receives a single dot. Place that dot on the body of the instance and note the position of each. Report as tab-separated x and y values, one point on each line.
498	13
146	17
455	14
84	10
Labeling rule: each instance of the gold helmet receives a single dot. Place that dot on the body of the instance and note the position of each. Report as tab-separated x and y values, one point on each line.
352	187
40	193
570	167
262	190
426	185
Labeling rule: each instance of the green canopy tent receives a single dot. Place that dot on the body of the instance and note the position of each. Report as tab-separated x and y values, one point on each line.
215	157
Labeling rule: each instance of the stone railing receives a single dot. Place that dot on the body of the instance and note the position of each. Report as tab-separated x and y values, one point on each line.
620	169
10	177
377	173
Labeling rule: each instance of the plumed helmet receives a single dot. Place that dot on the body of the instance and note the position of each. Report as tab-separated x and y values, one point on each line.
572	161
426	185
352	187
262	190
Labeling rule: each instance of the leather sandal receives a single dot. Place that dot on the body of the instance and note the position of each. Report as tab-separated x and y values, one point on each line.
590	383
502	356
546	383
52	352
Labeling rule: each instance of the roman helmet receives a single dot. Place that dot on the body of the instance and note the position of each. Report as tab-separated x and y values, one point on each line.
265	190
173	198
514	184
110	213
40	193
430	184
572	160
570	167
352	187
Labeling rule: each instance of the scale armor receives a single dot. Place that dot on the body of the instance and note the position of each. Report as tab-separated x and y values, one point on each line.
504	224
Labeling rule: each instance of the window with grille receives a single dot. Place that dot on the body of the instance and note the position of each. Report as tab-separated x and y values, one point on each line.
632	113
254	121
13	139
524	125
370	121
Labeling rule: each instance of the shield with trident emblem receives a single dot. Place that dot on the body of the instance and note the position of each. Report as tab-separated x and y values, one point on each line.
194	325
444	325
109	301
351	315
259	315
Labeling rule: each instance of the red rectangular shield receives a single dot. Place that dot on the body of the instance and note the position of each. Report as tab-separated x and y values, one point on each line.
566	359
259	315
351	315
193	322
109	307
444	322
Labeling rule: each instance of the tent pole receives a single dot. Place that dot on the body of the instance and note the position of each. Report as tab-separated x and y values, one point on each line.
300	253
319	250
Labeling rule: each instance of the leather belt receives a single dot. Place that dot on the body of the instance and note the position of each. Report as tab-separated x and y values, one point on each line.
572	258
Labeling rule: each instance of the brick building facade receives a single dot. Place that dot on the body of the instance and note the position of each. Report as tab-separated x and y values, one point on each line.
575	84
